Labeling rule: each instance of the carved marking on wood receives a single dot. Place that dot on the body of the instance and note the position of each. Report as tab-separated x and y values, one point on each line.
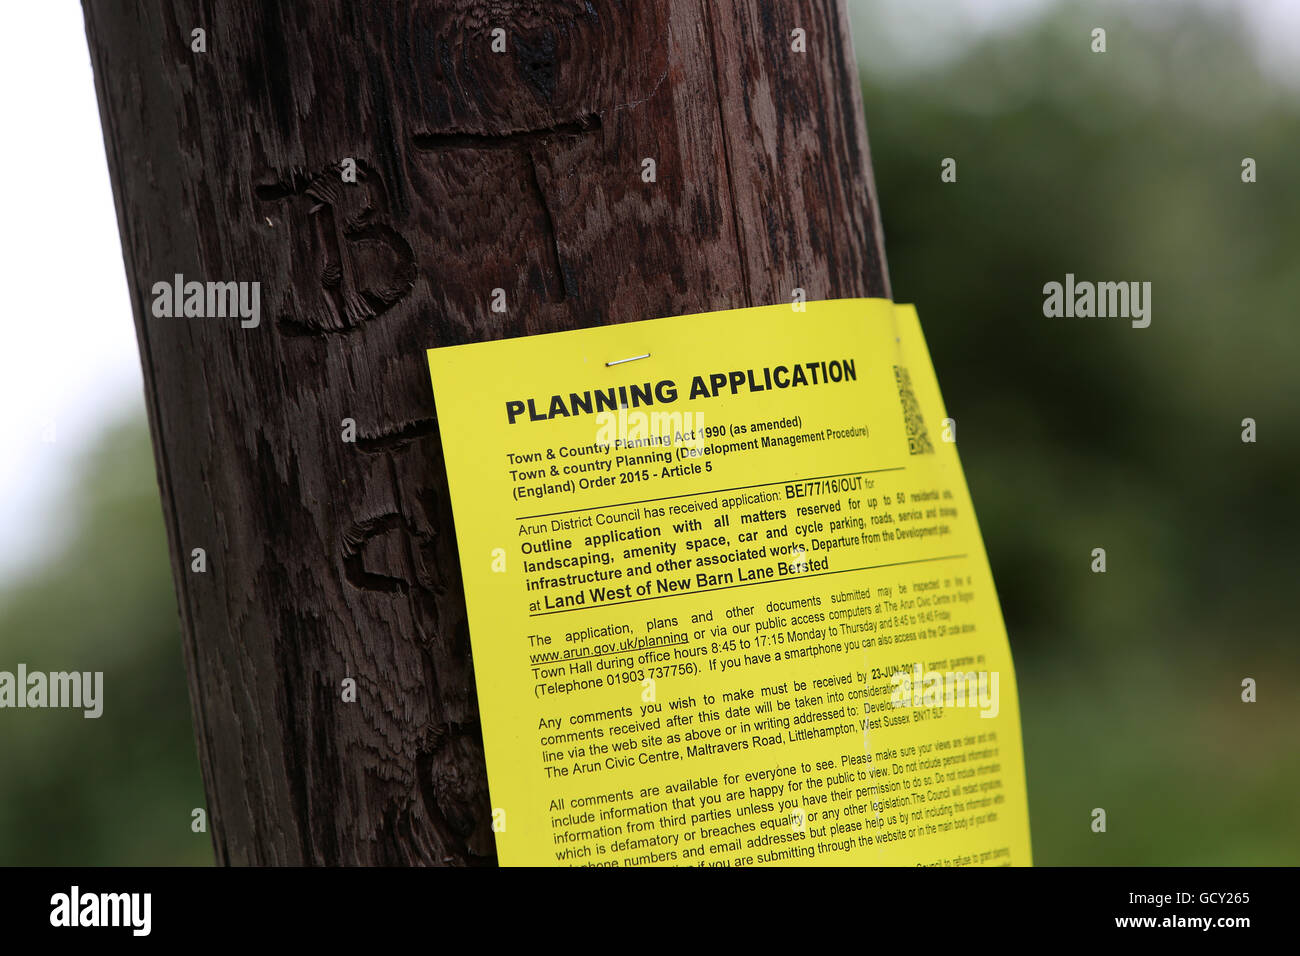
390	437
365	266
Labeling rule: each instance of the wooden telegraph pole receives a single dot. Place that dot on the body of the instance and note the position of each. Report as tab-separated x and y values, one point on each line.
500	154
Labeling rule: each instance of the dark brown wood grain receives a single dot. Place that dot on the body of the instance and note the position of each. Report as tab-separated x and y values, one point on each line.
476	170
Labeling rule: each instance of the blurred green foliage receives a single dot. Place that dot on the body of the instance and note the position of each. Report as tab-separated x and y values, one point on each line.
118	789
1075	434
1085	433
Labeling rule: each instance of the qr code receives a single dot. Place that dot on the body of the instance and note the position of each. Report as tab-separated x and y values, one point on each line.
918	439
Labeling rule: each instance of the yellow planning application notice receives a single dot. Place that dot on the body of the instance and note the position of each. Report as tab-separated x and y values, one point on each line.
728	600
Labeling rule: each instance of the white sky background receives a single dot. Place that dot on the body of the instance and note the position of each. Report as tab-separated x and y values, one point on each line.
68	356
67	339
